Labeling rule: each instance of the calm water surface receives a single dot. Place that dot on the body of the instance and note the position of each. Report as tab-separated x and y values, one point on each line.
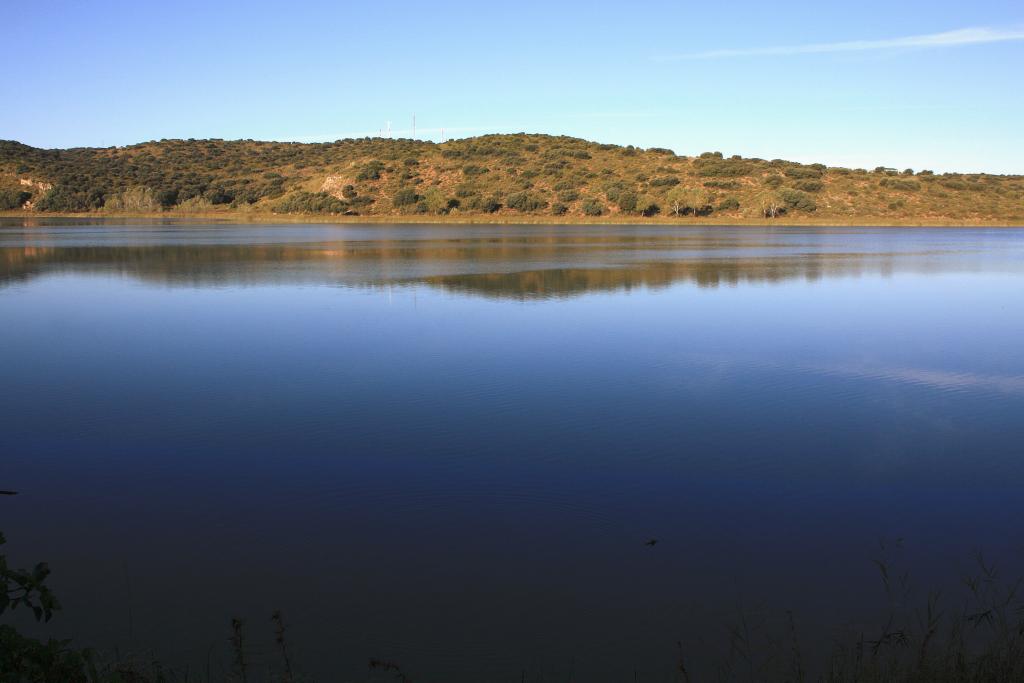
447	446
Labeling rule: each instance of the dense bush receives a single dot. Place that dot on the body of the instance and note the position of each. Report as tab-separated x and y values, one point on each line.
310	202
614	190
667	181
524	201
900	184
486	205
729	204
13	199
62	199
796	199
646	206
626	201
568	196
559	209
592	207
133	199
717	167
809	185
803	172
167	198
404	197
774	181
219	195
723	184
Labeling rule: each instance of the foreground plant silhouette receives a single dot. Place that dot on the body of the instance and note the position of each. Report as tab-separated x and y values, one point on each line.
973	638
29	659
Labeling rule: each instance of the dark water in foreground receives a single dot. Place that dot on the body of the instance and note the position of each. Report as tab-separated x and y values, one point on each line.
447	446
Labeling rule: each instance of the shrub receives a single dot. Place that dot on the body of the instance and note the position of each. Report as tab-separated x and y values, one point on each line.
774	181
486	205
524	201
310	202
712	167
723	184
474	170
809	185
133	199
729	204
799	172
667	181
614	190
370	171
194	205
592	207
568	196
646	206
63	199
404	197
627	201
167	198
348	192
13	199
796	199
900	184
219	195
559	209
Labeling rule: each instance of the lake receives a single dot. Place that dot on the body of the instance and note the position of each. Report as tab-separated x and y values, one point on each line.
449	447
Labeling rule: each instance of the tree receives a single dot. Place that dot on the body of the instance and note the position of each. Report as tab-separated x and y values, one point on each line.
627	201
646	206
697	200
676	198
771	204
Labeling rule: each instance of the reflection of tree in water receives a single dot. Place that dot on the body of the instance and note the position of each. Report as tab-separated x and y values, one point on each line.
521	267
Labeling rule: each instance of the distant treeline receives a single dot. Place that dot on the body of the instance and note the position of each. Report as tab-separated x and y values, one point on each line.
494	174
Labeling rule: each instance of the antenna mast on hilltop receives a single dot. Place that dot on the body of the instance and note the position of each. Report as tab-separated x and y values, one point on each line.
414	126
389	130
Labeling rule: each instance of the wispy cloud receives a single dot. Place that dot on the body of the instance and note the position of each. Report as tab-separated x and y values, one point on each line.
964	36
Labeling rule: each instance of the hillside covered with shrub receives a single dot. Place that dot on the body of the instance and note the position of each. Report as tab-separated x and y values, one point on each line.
505	177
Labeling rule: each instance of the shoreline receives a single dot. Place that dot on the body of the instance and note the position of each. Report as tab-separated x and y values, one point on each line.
492	219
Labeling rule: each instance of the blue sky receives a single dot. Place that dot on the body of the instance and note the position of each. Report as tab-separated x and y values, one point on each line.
862	84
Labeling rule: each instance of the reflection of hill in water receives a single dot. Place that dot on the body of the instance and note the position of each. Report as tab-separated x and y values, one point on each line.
507	267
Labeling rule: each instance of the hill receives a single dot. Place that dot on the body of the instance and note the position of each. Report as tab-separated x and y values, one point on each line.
504	177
